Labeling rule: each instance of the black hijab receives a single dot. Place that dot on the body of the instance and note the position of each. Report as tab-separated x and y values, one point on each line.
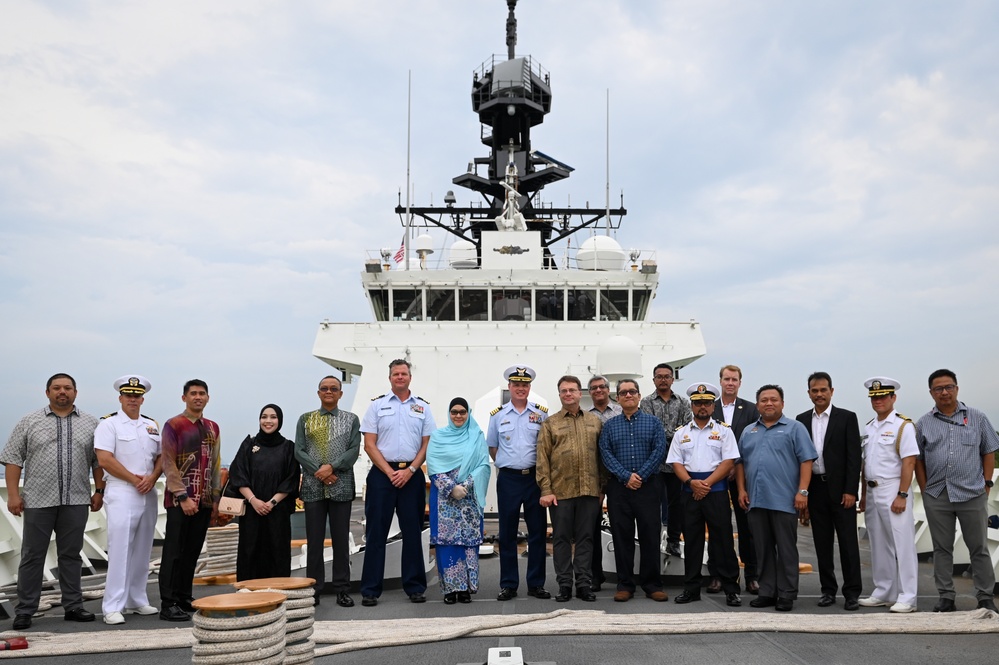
275	437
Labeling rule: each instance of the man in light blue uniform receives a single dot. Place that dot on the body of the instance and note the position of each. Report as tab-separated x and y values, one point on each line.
396	430
513	444
777	455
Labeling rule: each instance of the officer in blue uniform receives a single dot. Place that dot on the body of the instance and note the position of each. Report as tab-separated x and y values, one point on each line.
513	443
396	430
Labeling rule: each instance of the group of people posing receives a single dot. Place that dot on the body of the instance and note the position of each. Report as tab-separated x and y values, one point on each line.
667	466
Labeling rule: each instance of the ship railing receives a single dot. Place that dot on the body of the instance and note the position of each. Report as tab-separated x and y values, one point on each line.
443	257
532	65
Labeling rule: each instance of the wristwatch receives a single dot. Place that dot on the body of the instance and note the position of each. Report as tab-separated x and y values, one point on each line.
273	502
412	470
904	495
803	492
989	484
687	482
181	498
99	490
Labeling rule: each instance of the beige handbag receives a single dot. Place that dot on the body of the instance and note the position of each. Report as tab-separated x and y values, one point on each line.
230	505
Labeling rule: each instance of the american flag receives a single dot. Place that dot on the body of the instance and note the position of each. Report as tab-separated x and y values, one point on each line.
401	254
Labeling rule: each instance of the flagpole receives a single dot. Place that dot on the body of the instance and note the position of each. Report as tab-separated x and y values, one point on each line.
409	218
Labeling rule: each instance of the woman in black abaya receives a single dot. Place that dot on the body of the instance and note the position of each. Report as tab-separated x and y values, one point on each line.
266	473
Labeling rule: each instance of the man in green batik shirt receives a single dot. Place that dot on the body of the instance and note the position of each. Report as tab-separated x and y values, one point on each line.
327	442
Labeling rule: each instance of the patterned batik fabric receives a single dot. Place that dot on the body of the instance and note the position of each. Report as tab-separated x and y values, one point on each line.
327	435
456	533
457	568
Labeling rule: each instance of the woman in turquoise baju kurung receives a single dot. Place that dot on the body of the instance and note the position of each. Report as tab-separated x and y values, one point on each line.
458	463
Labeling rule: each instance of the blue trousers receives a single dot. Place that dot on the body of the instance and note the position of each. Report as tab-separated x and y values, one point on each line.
514	490
409	503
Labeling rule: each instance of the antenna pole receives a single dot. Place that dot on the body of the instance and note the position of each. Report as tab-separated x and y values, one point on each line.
409	216
607	184
511	30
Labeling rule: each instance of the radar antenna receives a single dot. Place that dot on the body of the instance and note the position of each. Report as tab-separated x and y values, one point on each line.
511	29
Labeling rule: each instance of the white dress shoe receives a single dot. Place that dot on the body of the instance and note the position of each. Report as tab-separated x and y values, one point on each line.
871	601
145	610
902	607
114	618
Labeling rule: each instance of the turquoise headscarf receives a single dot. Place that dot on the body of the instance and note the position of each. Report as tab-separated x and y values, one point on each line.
463	448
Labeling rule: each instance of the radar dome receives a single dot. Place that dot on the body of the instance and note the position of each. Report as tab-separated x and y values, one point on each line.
619	358
462	255
601	253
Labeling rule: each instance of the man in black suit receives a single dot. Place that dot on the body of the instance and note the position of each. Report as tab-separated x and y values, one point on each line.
737	413
832	492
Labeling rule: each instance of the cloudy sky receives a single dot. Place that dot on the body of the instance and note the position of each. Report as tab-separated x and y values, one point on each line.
188	188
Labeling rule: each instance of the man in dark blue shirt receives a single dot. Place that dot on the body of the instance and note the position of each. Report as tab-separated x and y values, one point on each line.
632	446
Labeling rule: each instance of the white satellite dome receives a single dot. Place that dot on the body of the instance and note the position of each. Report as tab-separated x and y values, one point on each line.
601	253
462	255
619	358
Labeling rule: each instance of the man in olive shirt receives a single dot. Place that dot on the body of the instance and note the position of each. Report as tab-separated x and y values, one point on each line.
567	472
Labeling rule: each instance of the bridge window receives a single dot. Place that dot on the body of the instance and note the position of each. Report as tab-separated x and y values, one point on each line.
640	304
407	304
613	305
550	305
511	304
581	304
440	305
473	305
379	304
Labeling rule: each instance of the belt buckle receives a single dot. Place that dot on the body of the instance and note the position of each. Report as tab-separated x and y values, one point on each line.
872	483
401	465
525	472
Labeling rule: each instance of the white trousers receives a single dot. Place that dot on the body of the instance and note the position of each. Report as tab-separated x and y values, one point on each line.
131	523
893	545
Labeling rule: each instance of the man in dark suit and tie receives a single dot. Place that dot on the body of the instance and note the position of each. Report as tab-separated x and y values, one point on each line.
832	492
736	413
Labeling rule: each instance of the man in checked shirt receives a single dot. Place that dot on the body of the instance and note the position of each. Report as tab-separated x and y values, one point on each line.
632	446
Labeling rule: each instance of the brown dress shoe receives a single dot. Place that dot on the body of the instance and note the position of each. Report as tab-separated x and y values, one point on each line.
658	596
623	596
715	586
753	587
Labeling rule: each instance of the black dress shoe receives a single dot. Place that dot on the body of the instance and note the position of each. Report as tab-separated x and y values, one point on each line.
585	593
753	587
944	605
763	601
564	594
826	600
79	614
851	605
450	598
595	588
784	605
464	597
506	593
733	600
343	599
987	604
187	606
686	597
22	622
539	592
417	598
715	586
673	549
369	601
174	613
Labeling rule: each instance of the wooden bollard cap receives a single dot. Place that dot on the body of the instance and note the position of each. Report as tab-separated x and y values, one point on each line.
239	604
276	583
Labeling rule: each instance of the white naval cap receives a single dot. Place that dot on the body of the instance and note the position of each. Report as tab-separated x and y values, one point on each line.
133	384
519	374
878	386
703	391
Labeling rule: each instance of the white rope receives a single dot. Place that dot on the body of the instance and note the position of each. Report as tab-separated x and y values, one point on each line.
257	638
300	611
219	557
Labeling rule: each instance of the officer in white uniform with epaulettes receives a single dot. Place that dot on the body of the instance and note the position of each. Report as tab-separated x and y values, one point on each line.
128	449
890	452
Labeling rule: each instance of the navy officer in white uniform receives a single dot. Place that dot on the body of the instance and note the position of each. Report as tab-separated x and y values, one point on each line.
513	445
128	449
702	454
396	430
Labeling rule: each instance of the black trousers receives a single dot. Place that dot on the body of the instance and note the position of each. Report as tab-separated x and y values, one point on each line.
182	543
747	549
713	511
672	506
572	522
776	536
628	509
829	518
597	576
317	515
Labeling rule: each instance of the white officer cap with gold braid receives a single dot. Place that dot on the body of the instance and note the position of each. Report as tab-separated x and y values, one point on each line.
133	384
878	386
519	374
703	391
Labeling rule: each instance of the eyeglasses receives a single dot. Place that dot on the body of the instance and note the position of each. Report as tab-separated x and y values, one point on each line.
566	391
662	377
462	412
940	390
602	386
627	393
327	389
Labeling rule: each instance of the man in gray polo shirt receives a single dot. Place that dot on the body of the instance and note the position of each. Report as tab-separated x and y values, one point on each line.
954	471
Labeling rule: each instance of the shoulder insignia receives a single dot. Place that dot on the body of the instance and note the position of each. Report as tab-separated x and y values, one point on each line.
377	398
905	418
425	401
725	425
148	418
495	411
871	421
542	409
110	415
